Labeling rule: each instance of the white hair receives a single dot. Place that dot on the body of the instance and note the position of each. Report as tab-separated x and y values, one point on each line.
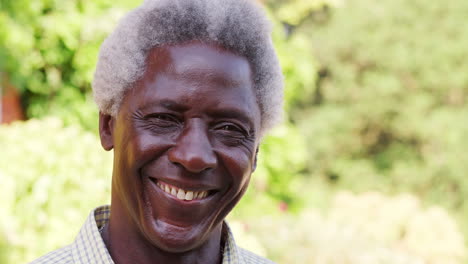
239	26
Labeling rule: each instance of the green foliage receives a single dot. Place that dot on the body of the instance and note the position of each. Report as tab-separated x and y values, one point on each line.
298	65
296	12
278	176
51	178
393	111
49	50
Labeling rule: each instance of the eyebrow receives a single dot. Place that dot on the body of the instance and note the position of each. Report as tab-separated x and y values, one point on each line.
166	103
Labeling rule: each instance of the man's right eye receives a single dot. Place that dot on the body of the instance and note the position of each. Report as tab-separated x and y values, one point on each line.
164	117
163	120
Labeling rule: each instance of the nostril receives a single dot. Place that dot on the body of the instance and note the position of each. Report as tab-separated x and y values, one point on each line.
197	165
193	162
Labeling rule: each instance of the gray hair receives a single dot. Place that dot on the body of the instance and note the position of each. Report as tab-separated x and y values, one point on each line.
237	25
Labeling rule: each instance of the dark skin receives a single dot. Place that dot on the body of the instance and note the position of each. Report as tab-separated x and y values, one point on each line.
191	124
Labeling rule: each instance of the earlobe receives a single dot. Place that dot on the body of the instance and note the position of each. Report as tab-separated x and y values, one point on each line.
106	129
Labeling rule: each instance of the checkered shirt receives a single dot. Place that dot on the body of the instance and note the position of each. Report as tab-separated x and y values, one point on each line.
89	247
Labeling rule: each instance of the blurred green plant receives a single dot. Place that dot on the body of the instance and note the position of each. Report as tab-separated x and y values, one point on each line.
393	110
49	50
52	177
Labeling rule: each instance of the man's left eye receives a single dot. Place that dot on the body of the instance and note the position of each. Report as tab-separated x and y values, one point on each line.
231	128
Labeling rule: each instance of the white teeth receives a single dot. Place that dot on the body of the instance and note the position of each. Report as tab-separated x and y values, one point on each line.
182	194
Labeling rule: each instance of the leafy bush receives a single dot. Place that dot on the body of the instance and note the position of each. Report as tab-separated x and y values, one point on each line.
281	162
393	110
51	178
49	50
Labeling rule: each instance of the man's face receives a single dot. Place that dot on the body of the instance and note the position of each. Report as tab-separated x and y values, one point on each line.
184	142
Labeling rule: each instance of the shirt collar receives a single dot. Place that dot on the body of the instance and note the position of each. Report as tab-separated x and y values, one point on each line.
89	247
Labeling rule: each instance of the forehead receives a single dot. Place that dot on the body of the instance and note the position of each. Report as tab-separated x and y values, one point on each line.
194	60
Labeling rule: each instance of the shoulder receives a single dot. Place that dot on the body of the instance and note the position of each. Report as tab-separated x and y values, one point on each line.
59	256
252	258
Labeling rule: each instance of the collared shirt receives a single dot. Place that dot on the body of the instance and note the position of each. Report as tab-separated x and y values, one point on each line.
89	247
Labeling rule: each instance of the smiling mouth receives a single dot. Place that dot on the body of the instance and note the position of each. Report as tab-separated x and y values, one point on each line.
181	194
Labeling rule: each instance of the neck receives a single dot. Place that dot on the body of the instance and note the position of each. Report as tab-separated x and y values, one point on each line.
126	244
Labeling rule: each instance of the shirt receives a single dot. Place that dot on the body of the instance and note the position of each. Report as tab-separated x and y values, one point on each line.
89	247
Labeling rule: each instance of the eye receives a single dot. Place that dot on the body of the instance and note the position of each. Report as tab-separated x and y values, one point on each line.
231	129
164	117
163	120
233	134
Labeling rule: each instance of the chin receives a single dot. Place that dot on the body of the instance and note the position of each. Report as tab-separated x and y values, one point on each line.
177	239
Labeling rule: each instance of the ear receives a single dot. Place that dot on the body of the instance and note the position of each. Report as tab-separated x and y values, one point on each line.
255	160
106	130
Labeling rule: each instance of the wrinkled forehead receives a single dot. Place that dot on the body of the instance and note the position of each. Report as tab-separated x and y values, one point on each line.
194	59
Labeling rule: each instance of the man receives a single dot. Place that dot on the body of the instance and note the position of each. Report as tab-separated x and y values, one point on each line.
186	89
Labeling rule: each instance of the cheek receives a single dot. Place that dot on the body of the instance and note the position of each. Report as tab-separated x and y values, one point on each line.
144	147
239	171
239	165
134	149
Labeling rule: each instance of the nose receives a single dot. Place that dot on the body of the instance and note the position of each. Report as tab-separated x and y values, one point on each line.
193	149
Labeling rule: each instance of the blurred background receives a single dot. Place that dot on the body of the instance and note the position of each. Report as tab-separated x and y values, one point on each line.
368	167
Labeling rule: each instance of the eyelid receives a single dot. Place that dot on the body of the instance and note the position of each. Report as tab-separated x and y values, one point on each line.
167	115
239	127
